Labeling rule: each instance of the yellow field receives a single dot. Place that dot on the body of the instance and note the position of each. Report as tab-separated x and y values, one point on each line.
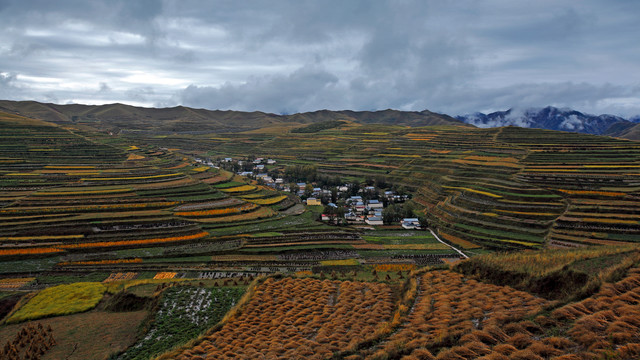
340	262
60	300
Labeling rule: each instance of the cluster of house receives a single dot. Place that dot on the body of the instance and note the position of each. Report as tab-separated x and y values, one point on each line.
357	210
258	170
365	211
369	211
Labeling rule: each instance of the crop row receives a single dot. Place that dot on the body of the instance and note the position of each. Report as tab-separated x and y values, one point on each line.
296	318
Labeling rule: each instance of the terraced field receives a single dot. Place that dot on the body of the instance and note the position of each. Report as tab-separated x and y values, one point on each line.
502	188
144	226
131	211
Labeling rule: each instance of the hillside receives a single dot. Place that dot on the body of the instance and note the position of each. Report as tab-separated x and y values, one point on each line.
500	188
123	247
629	131
125	118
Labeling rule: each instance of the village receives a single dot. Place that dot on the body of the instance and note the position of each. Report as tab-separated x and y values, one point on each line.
343	203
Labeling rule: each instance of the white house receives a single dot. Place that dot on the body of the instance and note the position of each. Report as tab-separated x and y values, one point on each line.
410	223
374	220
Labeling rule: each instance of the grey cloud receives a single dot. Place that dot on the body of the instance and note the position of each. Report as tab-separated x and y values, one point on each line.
104	88
582	96
280	94
8	85
282	56
142	95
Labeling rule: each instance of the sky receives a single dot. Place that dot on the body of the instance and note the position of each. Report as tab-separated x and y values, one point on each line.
453	57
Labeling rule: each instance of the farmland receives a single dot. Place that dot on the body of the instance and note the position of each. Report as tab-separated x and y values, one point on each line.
501	189
210	264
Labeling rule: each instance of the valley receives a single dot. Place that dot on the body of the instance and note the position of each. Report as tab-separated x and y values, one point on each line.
98	222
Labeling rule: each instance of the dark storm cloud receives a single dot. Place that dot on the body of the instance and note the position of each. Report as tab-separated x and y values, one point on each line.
283	56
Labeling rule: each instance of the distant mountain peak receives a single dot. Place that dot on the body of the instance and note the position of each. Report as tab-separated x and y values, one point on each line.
549	117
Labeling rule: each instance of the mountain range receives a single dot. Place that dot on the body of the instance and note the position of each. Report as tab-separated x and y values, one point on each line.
180	119
552	118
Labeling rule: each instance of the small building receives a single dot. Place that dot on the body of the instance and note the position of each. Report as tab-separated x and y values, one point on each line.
313	201
374	220
410	223
279	181
271	161
375	204
354	199
350	216
260	167
228	159
326	217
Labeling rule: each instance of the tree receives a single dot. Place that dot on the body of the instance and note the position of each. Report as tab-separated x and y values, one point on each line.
390	214
308	190
424	222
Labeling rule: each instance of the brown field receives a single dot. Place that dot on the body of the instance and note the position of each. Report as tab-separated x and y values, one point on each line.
299	318
91	335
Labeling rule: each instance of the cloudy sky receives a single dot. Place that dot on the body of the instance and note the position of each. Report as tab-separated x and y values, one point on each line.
291	56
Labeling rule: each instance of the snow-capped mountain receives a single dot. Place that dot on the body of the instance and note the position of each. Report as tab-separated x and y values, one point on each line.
547	118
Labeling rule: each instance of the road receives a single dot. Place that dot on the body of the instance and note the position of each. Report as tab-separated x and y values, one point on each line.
457	250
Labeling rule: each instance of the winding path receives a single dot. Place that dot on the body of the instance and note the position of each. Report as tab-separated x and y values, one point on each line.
451	246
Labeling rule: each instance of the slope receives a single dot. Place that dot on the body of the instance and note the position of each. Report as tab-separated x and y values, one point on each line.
180	119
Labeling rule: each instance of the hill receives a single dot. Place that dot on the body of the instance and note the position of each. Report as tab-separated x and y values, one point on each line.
500	188
629	131
124	247
549	118
125	118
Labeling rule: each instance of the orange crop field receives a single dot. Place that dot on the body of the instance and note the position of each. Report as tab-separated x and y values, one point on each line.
299	318
448	307
218	212
136	242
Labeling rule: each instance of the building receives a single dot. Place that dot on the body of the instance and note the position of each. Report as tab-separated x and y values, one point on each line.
354	199
375	204
410	223
374	220
313	201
